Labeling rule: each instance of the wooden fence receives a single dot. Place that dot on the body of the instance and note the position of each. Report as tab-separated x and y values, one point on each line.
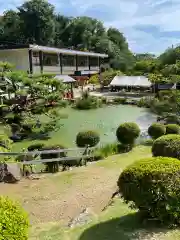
81	153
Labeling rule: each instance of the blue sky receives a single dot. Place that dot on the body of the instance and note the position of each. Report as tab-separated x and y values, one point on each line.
148	25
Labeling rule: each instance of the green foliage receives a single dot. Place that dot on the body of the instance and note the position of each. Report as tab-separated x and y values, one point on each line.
15	127
167	146
108	76
144	102
110	149
104	100
6	66
52	166
87	138
146	66
161	107
5	146
127	133
107	150
153	186
14	222
156	130
35	146
147	142
172	129
87	102
94	79
170	118
40	101
120	100
5	141
170	56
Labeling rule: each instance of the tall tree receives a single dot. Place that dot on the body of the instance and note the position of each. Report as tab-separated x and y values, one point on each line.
11	27
38	21
62	33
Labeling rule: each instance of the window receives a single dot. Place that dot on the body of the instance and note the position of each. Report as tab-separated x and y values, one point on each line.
50	59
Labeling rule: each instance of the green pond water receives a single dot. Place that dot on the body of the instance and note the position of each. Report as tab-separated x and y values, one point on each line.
104	120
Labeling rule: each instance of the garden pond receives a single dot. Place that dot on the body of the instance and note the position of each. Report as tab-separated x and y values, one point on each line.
104	120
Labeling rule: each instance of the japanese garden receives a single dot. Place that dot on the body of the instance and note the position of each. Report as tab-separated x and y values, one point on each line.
82	157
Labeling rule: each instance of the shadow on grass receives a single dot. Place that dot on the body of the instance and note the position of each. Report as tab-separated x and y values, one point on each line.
124	228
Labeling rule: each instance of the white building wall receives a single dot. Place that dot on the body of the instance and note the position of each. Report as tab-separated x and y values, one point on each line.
18	57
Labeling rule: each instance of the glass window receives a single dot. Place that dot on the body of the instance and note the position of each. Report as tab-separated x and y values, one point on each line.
50	59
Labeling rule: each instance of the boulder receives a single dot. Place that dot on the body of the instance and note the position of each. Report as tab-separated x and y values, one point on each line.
10	172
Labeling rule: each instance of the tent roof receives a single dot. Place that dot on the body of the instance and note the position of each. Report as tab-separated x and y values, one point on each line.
130	81
65	78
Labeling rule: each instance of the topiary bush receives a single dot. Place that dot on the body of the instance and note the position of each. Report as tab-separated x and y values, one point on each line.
120	100
14	222
167	146
88	102
172	129
127	133
52	166
156	130
90	138
153	186
35	146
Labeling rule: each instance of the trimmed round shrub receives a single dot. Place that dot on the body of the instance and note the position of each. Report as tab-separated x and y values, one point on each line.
153	186
167	146
172	129
87	138
36	146
14	222
127	132
52	166
156	130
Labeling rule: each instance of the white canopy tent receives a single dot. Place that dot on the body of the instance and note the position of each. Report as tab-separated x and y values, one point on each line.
130	81
65	78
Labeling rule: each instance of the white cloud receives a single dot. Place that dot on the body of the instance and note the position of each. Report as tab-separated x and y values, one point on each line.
127	15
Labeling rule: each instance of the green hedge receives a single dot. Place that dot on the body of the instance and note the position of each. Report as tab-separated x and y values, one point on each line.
167	146
127	132
156	130
153	186
172	129
14	224
52	166
90	102
90	138
35	146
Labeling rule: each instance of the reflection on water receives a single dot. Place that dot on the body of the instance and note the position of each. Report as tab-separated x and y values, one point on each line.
104	120
146	120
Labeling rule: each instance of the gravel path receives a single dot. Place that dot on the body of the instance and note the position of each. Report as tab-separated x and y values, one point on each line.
51	199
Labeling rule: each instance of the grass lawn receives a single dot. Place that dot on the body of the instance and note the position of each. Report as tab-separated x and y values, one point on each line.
116	222
55	199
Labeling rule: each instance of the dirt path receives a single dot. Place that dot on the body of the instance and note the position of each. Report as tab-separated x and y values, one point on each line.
63	196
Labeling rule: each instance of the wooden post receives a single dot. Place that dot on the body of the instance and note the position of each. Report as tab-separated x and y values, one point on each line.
72	97
41	61
30	62
99	63
89	64
60	63
76	62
